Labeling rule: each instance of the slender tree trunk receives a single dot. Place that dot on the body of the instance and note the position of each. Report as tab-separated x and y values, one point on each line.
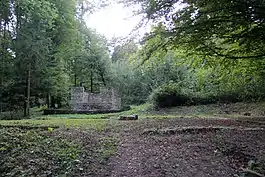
25	107
2	60
75	75
3	52
28	92
91	81
103	79
53	102
48	100
75	79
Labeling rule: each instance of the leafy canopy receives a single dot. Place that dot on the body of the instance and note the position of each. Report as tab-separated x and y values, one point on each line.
224	28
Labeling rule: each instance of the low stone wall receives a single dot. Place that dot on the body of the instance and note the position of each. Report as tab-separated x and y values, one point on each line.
65	111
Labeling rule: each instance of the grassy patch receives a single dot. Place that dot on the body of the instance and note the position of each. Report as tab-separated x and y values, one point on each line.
233	110
78	116
95	124
140	110
35	153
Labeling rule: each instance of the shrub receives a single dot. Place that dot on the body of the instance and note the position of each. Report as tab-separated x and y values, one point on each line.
204	100
211	98
229	98
169	95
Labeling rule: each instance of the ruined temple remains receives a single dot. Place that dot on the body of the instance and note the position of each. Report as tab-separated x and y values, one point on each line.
106	100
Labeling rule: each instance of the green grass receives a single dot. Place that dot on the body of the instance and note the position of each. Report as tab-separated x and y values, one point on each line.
76	116
95	124
233	110
95	121
140	110
99	121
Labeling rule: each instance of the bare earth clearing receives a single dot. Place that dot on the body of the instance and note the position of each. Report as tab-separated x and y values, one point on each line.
210	152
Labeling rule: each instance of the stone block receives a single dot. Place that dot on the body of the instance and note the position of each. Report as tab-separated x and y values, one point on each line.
132	117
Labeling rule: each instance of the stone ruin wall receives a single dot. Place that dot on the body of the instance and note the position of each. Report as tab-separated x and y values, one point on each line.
107	99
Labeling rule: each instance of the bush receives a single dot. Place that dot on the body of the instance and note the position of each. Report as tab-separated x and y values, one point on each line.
169	95
225	97
12	115
229	98
204	100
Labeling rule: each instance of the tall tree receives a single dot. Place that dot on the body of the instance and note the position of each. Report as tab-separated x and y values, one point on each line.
45	48
90	63
224	28
32	42
124	51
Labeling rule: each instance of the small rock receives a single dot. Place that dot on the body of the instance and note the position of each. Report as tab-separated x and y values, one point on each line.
247	114
133	117
104	117
156	166
77	161
176	166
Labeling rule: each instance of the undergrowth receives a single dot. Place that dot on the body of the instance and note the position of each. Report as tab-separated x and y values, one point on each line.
35	153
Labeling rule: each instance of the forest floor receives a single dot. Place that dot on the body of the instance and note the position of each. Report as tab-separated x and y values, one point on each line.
218	140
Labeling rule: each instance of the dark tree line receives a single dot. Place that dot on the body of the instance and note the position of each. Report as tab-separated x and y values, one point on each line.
46	48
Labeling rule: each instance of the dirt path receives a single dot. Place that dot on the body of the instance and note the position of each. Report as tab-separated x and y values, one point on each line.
209	153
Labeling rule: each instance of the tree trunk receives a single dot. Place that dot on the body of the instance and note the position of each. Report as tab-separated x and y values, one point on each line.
75	79
75	75
91	81
53	102
3	54
25	107
103	79
28	92
48	100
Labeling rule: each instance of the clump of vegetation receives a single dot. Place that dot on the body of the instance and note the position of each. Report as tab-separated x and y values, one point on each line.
169	95
11	115
35	153
172	94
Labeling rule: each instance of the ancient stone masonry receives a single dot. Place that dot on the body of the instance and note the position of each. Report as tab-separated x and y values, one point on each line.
107	99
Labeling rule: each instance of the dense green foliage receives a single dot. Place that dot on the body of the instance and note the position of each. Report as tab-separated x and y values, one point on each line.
211	51
223	28
169	95
46	48
203	80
